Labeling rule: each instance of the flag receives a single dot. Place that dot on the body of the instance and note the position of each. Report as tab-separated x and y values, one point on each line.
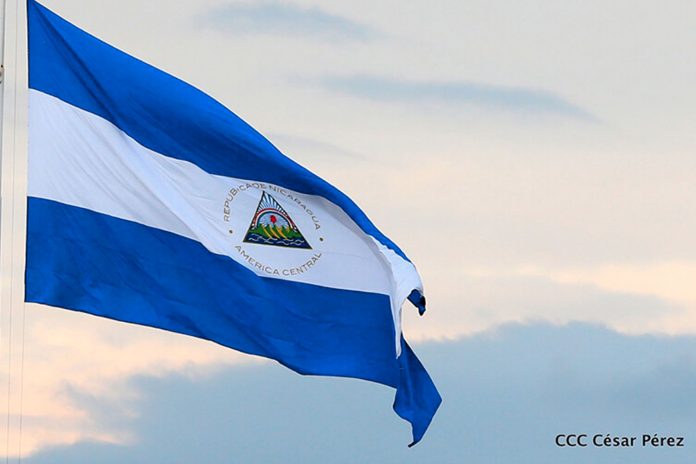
151	203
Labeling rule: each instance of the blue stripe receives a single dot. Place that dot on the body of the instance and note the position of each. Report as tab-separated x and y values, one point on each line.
164	113
98	264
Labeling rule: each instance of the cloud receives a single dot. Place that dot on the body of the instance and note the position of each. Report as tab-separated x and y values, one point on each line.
668	281
464	301
78	366
455	93
76	362
506	395
271	18
72	359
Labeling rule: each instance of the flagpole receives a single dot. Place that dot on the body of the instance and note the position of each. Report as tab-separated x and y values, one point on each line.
5	346
13	169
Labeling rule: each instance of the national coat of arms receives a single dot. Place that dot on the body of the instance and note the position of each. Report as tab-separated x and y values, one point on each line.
272	225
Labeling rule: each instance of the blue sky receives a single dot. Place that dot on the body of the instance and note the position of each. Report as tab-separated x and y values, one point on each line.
553	139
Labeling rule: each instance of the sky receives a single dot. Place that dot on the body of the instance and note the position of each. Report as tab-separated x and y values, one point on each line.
534	160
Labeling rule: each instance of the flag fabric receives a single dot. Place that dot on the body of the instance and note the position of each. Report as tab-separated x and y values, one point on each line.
151	203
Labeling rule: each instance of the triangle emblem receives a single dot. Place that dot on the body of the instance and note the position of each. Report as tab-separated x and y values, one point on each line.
272	225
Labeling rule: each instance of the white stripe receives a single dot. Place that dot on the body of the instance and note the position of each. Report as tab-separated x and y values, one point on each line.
80	159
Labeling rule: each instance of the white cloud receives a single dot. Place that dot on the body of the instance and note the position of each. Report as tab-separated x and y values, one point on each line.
672	281
67	351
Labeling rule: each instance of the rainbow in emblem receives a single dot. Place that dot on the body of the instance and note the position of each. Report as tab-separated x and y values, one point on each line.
272	226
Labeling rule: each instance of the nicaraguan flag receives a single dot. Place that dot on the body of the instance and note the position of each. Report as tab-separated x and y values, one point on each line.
151	203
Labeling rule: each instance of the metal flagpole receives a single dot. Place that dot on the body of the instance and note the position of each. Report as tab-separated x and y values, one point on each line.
13	117
5	347
3	289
